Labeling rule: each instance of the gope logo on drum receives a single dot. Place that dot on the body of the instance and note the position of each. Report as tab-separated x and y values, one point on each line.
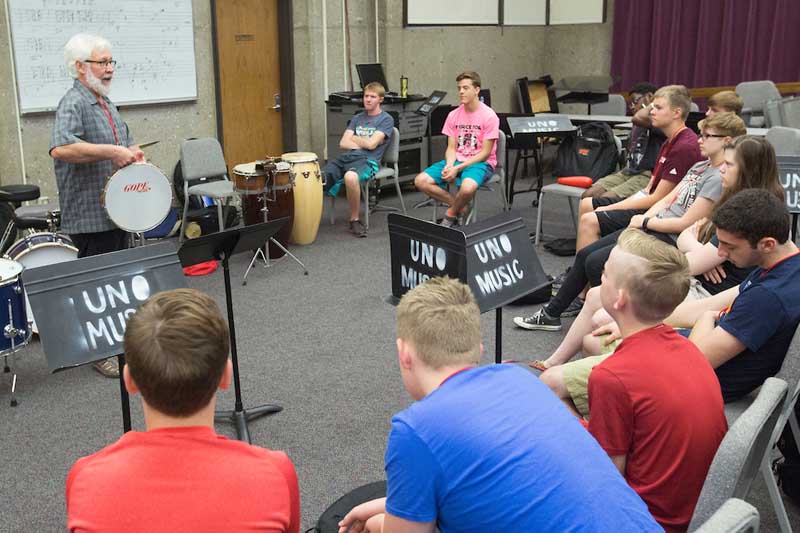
143	186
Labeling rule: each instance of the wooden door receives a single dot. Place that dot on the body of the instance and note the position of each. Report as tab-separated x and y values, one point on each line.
249	79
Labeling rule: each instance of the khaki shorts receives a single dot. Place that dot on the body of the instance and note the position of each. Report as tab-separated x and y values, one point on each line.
624	185
576	380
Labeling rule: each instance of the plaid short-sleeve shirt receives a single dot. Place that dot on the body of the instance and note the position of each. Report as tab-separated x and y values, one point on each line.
79	118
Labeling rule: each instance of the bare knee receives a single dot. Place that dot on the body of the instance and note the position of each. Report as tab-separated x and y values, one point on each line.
422	181
589	221
553	377
350	178
468	188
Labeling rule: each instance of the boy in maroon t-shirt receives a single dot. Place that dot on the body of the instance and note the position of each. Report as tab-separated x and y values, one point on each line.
668	112
179	475
655	403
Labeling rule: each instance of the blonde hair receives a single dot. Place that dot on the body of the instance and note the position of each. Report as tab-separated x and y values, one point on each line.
376	88
677	96
658	280
727	101
726	123
441	319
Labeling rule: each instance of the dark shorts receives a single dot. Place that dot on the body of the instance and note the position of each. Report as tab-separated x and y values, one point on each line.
600	201
616	219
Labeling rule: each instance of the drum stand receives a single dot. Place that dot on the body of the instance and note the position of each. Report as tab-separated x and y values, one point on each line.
7	370
260	250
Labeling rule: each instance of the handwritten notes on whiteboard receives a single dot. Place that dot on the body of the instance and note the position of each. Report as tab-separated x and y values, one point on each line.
152	42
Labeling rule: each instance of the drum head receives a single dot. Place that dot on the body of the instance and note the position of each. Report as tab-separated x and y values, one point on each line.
9	270
138	197
248	169
299	157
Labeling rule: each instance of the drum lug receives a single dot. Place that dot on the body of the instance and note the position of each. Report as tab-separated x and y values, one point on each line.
18	289
9	332
306	173
319	175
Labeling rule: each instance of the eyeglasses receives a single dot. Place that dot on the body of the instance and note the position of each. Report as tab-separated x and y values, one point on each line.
103	64
705	136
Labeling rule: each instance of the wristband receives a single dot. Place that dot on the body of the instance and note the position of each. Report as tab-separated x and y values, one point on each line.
644	223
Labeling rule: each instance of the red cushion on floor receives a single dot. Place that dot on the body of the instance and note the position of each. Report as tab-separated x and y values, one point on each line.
576	181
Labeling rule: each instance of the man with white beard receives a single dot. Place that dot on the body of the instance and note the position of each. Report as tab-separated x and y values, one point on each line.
90	142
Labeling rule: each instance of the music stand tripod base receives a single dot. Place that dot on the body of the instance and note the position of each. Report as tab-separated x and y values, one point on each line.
221	246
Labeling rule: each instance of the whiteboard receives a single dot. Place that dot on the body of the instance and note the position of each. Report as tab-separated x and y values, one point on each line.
447	12
577	11
152	42
525	12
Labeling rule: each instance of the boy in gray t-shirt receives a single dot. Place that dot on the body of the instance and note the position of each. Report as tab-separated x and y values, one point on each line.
363	143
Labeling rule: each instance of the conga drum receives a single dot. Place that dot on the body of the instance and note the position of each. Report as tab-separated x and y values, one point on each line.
307	178
280	203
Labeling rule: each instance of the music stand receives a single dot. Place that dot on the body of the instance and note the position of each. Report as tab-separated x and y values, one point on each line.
494	257
221	246
82	306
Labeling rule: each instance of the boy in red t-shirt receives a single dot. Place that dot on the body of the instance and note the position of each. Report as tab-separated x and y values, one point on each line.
179	475
655	403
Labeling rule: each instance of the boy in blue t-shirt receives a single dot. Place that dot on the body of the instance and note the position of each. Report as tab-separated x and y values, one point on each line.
466	457
364	142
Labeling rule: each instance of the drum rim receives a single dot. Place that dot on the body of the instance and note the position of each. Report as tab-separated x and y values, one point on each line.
29	249
17	277
300	157
160	173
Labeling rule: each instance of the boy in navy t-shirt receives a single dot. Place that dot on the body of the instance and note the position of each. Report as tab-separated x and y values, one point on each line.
459	459
745	331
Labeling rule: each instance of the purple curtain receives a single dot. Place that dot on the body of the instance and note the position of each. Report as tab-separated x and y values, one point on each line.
705	43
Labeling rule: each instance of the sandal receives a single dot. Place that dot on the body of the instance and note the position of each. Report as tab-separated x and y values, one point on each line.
538	365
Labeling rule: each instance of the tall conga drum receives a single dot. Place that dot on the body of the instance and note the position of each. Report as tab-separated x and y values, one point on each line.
280	203
307	178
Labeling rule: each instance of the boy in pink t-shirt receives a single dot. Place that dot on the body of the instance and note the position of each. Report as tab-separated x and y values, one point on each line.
471	155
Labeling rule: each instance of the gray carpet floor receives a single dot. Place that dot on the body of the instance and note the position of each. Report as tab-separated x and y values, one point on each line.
321	345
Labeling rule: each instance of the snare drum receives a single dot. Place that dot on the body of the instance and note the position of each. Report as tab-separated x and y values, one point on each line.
138	197
307	179
40	249
248	179
14	330
280	204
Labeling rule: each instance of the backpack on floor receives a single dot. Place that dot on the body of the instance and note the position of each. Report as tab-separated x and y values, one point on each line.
329	521
591	152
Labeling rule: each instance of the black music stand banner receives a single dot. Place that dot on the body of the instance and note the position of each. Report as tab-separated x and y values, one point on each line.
494	257
541	123
789	174
82	306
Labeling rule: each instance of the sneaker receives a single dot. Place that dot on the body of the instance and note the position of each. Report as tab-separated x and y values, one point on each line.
108	367
449	222
539	321
357	228
573	309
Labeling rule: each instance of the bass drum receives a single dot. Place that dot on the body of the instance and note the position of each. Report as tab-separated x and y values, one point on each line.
40	249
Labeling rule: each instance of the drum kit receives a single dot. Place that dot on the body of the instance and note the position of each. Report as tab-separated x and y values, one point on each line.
276	187
138	198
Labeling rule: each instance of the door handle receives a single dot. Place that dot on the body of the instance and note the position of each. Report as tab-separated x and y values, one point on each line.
276	98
